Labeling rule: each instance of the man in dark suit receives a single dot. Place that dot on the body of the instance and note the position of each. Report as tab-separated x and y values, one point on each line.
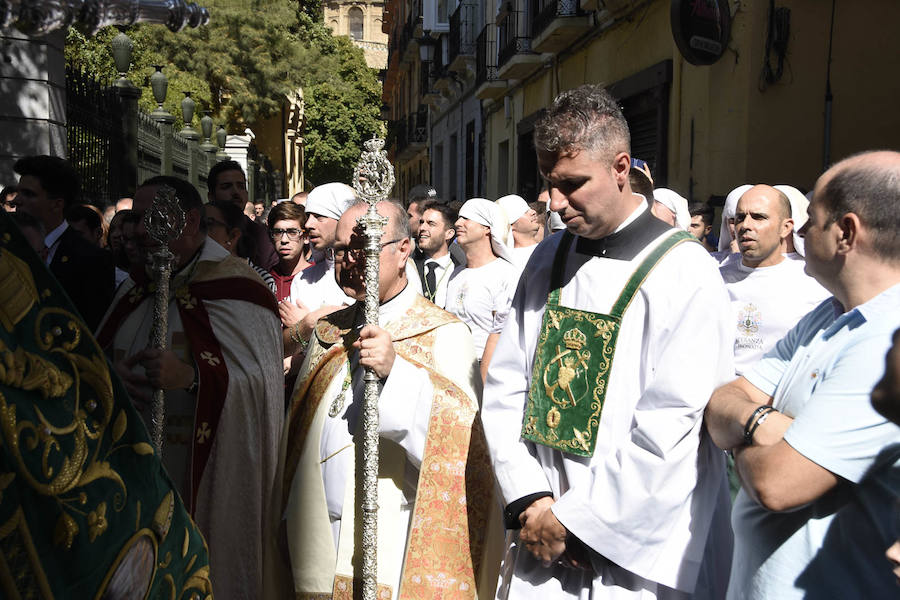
49	185
227	182
433	257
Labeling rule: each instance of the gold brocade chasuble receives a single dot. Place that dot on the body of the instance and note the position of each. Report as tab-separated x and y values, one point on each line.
447	542
574	358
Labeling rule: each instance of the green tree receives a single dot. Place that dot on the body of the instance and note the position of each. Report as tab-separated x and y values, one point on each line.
243	64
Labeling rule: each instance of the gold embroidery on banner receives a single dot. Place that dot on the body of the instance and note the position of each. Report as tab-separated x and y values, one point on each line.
97	523
21	573
553	417
568	366
18	292
312	596
162	518
27	371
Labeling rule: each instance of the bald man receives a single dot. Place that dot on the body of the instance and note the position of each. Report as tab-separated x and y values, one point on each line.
425	361
818	465
768	292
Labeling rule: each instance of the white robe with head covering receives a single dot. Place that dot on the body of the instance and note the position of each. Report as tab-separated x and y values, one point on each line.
799	203
728	213
675	202
330	199
515	208
490	215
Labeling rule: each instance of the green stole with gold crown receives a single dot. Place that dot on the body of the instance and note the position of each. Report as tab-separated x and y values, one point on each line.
574	359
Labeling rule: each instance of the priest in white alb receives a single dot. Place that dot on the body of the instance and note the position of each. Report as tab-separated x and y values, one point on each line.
436	491
593	405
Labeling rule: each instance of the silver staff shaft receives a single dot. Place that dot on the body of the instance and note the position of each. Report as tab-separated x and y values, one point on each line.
164	222
373	179
162	271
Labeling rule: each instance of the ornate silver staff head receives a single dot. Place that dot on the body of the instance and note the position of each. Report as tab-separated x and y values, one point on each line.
373	177
164	220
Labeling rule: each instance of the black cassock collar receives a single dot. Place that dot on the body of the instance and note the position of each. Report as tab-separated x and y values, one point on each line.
627	243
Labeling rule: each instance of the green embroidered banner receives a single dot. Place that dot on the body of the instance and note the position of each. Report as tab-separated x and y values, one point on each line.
86	508
573	360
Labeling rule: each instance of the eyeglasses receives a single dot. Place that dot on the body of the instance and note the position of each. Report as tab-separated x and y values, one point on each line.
292	234
339	253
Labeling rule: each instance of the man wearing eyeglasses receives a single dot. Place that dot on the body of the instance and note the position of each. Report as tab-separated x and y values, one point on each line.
425	360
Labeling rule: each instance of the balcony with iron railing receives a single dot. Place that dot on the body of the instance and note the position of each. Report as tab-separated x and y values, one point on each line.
412	134
487	81
461	42
515	57
556	24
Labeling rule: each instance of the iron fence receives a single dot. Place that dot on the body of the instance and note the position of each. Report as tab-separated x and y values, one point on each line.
94	135
545	11
462	31
486	55
513	36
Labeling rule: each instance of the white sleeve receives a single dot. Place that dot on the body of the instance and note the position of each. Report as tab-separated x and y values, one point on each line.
505	393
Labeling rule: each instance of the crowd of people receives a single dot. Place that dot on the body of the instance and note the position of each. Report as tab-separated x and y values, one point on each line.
566	385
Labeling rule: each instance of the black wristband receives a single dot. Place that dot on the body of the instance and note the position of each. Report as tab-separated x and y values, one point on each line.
759	422
753	422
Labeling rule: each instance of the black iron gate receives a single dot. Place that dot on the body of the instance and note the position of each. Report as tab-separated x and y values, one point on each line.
95	137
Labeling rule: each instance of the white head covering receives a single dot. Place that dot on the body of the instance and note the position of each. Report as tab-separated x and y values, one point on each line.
515	208
489	214
330	199
728	211
676	203
799	203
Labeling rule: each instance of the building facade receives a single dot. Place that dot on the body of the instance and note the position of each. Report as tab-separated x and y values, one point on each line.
761	112
362	22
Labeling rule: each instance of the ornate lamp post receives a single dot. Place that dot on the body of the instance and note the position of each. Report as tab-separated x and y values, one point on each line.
187	114
37	17
221	140
373	179
206	126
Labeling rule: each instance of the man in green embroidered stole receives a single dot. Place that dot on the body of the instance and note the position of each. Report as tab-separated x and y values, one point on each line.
594	401
431	541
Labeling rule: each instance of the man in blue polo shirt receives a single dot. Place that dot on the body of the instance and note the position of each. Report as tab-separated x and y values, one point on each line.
818	466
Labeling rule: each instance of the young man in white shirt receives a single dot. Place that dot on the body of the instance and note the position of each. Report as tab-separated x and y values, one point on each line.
481	292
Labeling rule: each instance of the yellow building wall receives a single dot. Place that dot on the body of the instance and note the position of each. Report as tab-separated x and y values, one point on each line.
740	134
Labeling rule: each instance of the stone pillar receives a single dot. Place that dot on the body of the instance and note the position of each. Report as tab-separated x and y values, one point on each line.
32	98
128	94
